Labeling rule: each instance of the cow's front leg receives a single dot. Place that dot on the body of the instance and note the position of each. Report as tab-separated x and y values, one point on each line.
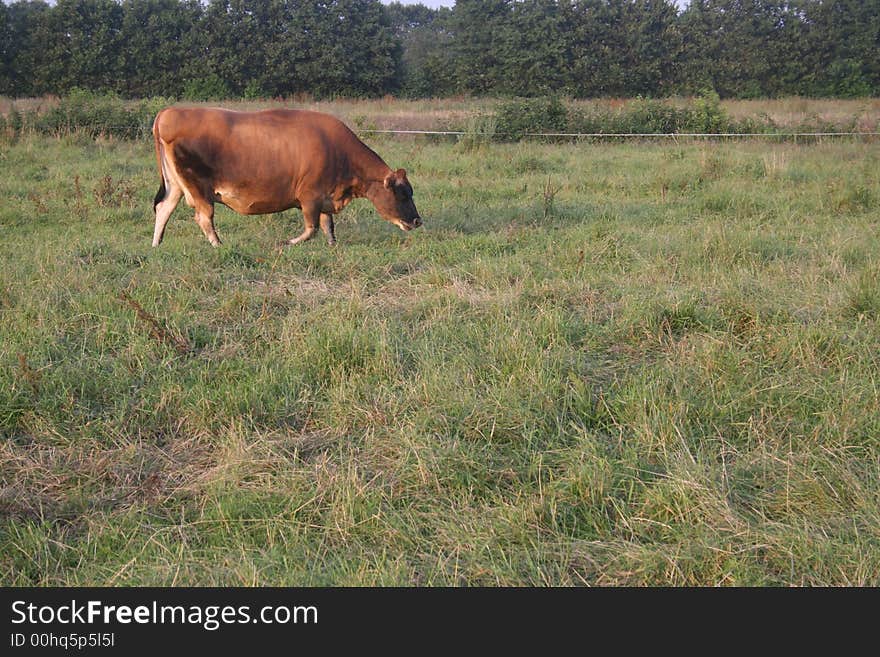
328	228
311	212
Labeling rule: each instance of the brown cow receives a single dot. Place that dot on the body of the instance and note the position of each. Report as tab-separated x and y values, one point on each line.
269	161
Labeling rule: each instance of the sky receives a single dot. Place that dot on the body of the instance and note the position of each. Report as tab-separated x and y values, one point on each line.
428	3
448	3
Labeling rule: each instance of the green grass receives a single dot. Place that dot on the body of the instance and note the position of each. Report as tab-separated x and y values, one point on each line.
596	364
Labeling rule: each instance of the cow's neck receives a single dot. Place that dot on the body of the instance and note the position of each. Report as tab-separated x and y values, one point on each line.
371	172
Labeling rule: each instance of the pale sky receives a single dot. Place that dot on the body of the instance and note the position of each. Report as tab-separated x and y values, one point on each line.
448	3
428	3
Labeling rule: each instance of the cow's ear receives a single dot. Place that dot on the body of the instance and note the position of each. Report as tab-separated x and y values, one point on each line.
389	180
401	175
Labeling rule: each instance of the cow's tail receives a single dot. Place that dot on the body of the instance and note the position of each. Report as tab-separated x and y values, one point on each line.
160	195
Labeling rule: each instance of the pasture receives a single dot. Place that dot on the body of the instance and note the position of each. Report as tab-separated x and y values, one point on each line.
602	364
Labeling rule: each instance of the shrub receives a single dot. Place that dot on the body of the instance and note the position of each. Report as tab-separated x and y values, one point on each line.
648	116
846	79
707	115
91	114
761	123
520	116
210	87
479	131
651	116
253	91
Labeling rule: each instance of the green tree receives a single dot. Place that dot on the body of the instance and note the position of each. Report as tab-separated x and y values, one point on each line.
624	47
285	50
842	47
592	49
427	61
77	44
652	46
157	41
366	55
478	28
741	48
362	48
21	49
284	47
6	50
229	45
405	19
533	49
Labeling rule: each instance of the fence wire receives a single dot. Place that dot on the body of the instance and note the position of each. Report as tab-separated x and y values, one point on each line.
642	135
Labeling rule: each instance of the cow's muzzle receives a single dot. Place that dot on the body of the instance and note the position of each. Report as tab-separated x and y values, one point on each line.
409	225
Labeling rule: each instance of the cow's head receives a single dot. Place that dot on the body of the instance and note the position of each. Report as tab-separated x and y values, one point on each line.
394	201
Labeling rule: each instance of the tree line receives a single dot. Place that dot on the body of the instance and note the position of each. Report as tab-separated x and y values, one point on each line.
579	48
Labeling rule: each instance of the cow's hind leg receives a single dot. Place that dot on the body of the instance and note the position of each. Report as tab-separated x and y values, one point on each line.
166	200
205	220
328	228
310	223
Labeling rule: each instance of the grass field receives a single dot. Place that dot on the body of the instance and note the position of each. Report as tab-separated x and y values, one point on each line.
643	364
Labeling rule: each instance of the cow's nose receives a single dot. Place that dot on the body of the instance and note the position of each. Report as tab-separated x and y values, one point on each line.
417	222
